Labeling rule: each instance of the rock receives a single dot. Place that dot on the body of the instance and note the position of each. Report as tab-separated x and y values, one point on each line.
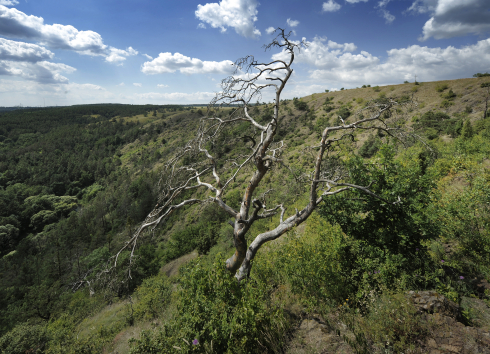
432	302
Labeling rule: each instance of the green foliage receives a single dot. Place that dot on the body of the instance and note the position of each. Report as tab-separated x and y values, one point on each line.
24	338
481	75
201	236
441	87
376	89
153	296
218	314
434	123
467	131
391	324
465	218
344	112
300	105
370	146
450	95
386	236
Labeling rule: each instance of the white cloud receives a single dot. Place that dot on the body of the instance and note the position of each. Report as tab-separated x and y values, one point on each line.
452	18
177	96
8	2
170	63
239	14
330	6
270	30
162	85
355	1
292	23
16	24
137	84
121	84
41	71
423	6
90	87
33	93
385	13
20	51
429	64
387	16
119	55
148	56
331	54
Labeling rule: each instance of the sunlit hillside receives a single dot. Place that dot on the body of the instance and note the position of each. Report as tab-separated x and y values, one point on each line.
76	183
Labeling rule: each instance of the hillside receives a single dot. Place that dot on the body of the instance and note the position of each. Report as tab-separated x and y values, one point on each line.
76	182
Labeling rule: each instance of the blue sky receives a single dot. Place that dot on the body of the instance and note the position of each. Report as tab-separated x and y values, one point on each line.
165	52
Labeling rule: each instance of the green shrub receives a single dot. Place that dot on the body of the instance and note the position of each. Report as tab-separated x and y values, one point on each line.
344	112
370	147
300	105
376	89
391	324
217	314
467	131
153	296
441	87
450	95
24	338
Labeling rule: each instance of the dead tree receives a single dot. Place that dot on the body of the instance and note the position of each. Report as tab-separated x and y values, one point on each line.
199	168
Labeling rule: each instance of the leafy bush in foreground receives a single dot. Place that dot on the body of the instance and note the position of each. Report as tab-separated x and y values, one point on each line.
217	314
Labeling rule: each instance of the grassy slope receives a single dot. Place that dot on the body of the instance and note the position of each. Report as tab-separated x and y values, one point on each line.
178	130
427	97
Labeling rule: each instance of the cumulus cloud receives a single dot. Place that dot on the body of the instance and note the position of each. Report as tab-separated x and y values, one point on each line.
8	2
16	24
119	55
162	85
292	23
270	30
137	84
20	51
451	18
239	14
148	56
330	6
170	63
42	71
355	1
321	53
429	64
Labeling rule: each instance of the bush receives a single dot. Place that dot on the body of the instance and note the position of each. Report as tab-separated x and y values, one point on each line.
344	112
370	147
376	89
217	314
24	338
392	324
300	105
450	95
441	87
153	296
